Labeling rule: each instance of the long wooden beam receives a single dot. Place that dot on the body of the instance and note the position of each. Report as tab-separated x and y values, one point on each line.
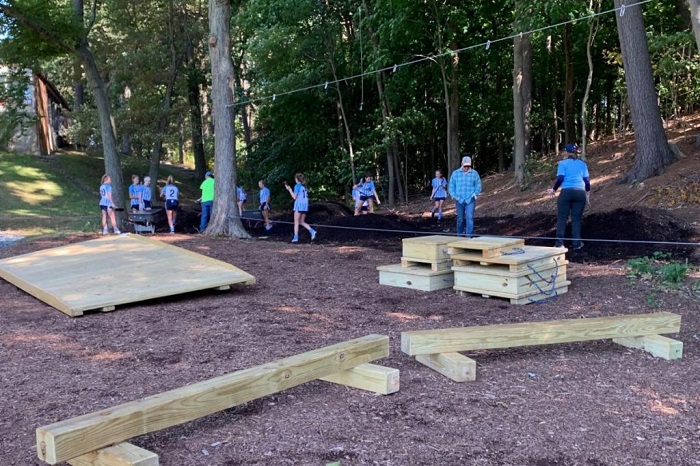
83	434
537	333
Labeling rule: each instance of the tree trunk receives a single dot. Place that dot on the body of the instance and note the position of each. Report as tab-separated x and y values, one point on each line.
522	85
569	115
695	20
592	28
453	111
109	137
653	151
225	220
195	104
78	90
162	123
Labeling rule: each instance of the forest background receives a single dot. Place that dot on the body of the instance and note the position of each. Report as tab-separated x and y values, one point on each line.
333	88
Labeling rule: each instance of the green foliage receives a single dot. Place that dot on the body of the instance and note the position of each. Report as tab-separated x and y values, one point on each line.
659	270
13	113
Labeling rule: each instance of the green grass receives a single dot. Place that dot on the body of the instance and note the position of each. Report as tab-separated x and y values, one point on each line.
50	198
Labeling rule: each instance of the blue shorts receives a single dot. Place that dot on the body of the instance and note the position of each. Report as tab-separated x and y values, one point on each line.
146	204
135	206
171	204
439	198
264	206
302	211
366	198
243	201
106	207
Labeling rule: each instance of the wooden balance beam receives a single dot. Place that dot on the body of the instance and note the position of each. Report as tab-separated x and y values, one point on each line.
439	349
344	363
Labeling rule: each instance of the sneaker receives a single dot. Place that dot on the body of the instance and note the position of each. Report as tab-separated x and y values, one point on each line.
578	246
117	232
295	240
268	227
172	232
105	231
313	235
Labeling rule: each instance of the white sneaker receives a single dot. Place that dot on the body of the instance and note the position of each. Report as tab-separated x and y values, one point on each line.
117	232
105	231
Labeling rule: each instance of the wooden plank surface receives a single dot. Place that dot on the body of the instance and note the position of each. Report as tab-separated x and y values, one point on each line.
454	366
370	377
416	278
529	255
92	275
537	333
505	270
123	454
505	286
657	345
435	266
509	295
74	437
488	246
432	247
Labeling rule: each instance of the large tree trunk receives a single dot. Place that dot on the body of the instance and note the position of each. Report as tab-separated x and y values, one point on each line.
522	95
109	137
162	124
225	220
653	151
695	20
569	113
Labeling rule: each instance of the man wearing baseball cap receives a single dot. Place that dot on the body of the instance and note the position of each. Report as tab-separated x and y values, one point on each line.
207	200
464	188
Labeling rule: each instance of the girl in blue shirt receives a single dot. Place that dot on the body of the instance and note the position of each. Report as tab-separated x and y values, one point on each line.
265	203
170	193
368	192
301	206
107	205
136	193
146	193
240	194
438	194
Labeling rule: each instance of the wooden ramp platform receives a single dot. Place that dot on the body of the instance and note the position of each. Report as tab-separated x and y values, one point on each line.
107	272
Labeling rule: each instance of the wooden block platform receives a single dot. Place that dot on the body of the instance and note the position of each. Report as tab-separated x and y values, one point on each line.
114	270
435	266
520	260
414	277
525	298
427	248
508	286
485	247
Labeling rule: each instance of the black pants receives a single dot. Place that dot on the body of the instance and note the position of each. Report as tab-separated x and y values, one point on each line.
570	202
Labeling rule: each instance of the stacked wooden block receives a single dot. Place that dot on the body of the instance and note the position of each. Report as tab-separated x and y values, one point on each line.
506	268
425	265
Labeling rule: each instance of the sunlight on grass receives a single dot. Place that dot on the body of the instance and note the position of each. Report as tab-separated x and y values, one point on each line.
34	193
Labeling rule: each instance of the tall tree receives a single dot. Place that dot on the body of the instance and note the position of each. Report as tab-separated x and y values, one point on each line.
522	102
225	220
653	152
695	20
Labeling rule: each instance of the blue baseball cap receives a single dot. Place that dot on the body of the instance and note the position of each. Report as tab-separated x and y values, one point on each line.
208	174
571	148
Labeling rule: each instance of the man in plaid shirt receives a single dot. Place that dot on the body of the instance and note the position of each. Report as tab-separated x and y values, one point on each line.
465	187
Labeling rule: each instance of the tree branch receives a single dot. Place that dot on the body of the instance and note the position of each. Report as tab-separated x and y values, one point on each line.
38	29
93	16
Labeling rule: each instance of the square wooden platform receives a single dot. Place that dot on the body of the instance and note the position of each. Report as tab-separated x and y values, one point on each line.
106	272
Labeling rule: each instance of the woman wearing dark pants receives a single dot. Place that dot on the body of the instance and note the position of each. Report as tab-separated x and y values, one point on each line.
572	176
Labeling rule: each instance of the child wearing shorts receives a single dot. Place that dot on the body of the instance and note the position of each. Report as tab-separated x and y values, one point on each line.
265	204
438	194
170	193
107	205
301	206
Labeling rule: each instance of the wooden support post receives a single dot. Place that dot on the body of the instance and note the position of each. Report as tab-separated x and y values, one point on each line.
224	287
83	434
371	377
537	333
124	454
107	309
659	346
452	365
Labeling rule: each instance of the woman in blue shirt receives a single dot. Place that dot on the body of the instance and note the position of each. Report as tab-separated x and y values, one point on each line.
301	206
572	176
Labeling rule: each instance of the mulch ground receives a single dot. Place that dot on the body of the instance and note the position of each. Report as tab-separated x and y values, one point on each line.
592	403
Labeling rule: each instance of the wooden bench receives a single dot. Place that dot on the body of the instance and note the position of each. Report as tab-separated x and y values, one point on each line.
83	440
440	349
